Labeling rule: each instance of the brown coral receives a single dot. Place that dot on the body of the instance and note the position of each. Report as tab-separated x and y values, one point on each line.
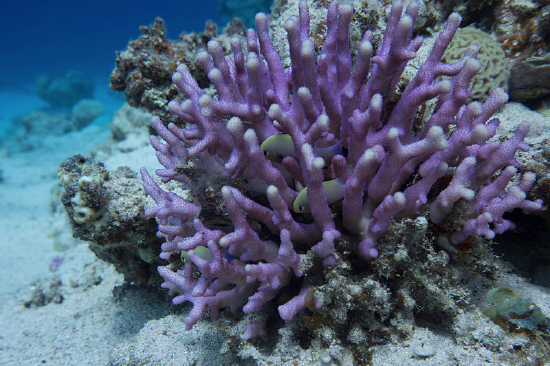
144	70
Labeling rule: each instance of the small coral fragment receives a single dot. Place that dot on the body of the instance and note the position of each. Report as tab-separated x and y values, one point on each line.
511	308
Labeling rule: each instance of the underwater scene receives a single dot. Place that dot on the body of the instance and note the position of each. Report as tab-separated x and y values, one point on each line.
275	182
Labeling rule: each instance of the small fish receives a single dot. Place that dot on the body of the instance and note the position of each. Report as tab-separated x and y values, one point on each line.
201	250
277	147
204	253
334	190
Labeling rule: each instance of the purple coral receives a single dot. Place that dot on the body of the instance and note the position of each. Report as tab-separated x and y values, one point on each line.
322	100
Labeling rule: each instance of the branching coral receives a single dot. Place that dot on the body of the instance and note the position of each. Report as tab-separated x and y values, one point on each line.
389	167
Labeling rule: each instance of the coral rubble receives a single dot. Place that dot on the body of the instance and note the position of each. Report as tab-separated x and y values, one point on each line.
107	209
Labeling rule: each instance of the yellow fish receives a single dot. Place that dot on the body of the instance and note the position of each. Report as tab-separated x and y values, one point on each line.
278	147
201	250
334	190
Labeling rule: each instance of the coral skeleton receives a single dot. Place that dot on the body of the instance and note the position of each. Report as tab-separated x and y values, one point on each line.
389	166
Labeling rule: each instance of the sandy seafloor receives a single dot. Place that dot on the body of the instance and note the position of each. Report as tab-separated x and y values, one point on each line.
95	320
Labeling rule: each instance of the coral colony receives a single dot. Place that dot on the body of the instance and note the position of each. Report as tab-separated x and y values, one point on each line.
327	125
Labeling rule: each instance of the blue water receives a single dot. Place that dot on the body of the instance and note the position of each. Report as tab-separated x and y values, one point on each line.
51	37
